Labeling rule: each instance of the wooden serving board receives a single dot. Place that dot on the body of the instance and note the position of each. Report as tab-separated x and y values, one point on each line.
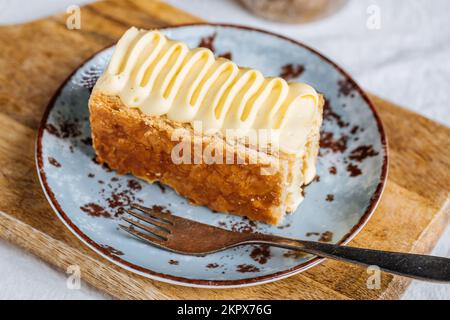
35	58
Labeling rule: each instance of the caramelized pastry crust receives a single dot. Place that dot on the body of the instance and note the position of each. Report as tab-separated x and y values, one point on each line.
130	142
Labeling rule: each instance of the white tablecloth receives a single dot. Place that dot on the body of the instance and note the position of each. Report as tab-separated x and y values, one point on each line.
407	61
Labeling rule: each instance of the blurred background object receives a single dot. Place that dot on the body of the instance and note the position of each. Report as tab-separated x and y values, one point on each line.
293	11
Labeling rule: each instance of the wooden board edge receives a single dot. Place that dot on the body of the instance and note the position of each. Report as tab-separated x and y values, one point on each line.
97	273
423	245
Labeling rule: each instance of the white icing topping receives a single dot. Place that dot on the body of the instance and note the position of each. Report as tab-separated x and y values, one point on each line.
161	76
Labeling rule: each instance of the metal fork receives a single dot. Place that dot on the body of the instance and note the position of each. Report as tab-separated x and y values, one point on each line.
185	236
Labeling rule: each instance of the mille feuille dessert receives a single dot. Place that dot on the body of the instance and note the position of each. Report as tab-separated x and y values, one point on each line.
158	103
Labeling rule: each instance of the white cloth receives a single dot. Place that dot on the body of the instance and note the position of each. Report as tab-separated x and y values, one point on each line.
406	61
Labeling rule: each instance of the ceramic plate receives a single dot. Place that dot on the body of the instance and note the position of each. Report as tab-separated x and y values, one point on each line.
90	199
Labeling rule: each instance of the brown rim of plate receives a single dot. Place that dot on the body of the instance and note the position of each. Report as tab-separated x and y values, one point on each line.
215	283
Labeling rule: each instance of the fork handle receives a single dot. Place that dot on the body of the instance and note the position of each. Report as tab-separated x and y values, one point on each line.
422	267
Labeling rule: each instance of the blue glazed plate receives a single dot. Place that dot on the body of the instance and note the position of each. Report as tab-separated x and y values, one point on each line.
90	199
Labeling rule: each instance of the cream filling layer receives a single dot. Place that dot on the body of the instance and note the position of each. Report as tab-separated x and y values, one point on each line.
160	76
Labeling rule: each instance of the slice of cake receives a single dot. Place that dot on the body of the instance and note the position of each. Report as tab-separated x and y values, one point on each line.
221	136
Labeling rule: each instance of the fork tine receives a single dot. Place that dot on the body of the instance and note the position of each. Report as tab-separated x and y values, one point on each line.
153	231
142	236
165	217
156	222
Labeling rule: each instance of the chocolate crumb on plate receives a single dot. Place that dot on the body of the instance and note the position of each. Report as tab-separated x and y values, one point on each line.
261	254
361	153
69	129
326	236
291	71
160	186
54	162
354	130
226	55
119	200
328	142
286	225
52	130
110	250
347	88
134	185
95	210
87	141
208	42
310	234
330	115
332	170
354	170
222	224
244	268
245	226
